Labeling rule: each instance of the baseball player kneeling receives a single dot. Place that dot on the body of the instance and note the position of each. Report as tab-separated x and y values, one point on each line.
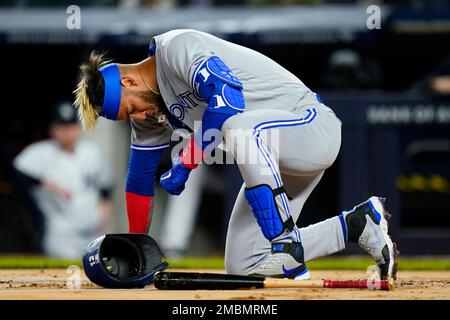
191	77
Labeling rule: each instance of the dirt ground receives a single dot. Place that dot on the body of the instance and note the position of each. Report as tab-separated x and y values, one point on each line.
52	284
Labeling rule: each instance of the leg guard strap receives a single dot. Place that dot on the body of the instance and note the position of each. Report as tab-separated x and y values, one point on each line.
279	191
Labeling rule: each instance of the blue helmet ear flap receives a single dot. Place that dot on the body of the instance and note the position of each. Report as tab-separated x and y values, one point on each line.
128	260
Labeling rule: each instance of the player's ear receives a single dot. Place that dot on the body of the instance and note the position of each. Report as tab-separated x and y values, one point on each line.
138	115
128	82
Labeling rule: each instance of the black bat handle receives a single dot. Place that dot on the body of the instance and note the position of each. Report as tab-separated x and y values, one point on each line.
205	281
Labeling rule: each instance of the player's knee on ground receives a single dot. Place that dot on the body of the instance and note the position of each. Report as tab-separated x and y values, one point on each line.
232	266
243	259
243	265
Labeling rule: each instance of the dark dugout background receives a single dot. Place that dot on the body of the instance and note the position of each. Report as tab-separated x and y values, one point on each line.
396	133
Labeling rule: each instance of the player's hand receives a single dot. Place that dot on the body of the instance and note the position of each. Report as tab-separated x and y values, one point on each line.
57	189
175	179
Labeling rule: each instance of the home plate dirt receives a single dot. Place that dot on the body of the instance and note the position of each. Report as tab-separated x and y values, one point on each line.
53	284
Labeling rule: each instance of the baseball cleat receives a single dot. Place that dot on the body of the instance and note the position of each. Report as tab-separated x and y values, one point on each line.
285	261
367	225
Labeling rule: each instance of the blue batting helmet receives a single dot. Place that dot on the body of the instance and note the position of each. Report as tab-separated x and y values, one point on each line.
128	260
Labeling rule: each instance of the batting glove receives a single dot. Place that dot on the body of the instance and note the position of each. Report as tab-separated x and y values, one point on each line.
175	179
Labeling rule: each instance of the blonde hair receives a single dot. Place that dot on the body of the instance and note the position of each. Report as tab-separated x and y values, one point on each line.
90	90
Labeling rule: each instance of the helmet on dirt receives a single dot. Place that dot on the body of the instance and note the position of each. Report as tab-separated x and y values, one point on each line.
128	260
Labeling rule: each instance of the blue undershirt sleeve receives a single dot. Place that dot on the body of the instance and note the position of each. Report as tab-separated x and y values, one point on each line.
142	168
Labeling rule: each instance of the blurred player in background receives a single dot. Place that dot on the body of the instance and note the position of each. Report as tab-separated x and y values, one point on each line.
242	94
71	184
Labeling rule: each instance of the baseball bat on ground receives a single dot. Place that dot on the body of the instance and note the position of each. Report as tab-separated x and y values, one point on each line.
212	281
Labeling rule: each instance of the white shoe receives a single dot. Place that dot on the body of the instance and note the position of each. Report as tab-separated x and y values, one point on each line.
367	225
285	261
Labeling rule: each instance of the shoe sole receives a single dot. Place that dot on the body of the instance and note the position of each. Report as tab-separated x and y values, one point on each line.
304	276
378	205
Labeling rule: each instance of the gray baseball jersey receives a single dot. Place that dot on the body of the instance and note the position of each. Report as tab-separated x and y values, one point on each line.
179	52
275	101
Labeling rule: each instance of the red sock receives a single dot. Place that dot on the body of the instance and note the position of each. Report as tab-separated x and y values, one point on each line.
139	209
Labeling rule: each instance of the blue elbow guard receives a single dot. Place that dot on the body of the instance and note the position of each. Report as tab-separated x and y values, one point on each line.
214	82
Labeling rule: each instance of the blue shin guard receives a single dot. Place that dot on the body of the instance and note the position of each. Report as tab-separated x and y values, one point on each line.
261	199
